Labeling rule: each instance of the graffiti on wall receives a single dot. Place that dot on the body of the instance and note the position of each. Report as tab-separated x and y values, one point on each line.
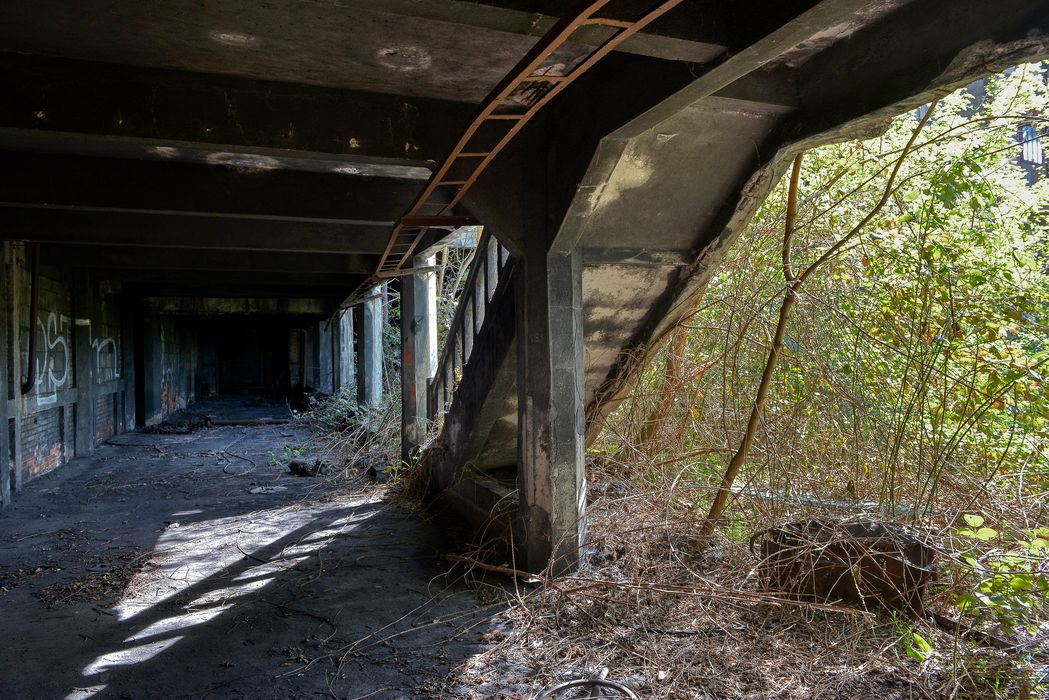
52	363
106	366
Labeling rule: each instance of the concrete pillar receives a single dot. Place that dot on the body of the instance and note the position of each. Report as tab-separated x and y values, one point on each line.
7	378
550	371
418	352
83	308
325	359
19	370
152	371
343	348
369	349
127	363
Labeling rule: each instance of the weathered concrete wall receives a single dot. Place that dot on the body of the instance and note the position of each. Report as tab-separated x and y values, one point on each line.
102	360
170	366
76	394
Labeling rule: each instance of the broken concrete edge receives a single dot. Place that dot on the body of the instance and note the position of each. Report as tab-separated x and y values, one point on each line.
978	60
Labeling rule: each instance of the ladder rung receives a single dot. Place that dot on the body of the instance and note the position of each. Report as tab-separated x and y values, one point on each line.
474	154
506	117
545	79
448	183
604	21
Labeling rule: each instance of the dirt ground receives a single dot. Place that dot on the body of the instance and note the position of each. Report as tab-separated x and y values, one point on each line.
194	565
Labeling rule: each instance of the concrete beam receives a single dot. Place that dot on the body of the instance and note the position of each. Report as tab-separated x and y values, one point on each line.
418	353
176	230
218	306
908	68
259	263
238	156
177	109
229	284
102	184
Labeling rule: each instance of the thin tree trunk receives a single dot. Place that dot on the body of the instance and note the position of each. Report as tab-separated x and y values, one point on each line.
794	284
790	299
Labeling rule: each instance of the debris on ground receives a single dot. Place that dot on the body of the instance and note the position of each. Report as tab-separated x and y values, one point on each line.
308	467
107	579
184	424
859	562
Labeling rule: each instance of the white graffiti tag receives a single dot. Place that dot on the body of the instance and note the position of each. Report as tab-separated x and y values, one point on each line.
107	366
52	367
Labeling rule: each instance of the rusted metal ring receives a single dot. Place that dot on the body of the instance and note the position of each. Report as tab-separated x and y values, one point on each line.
594	684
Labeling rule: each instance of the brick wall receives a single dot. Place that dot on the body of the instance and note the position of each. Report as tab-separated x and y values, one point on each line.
105	417
53	357
47	440
76	362
48	423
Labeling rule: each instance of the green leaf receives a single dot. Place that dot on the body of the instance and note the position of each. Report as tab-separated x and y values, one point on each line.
986	533
973	520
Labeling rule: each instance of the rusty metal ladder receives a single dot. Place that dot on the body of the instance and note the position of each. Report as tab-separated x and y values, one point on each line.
532	84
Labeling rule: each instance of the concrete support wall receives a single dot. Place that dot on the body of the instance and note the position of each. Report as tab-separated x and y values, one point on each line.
78	394
170	356
418	353
6	379
551	421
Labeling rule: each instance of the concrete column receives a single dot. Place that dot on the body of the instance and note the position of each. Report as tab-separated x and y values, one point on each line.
127	363
343	344
152	370
83	308
7	375
18	369
369	346
551	477
325	359
418	353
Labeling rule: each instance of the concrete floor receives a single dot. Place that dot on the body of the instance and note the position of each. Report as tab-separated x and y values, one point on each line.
195	566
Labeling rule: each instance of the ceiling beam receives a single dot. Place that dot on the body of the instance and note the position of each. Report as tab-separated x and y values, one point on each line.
231	113
172	230
35	180
260	264
229	284
241	157
231	306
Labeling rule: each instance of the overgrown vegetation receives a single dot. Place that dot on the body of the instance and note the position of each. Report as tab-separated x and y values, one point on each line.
872	347
353	436
906	384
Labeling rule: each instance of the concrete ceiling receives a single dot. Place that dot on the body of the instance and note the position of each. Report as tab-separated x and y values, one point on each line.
446	49
148	140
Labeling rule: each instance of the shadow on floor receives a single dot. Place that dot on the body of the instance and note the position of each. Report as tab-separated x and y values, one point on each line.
195	566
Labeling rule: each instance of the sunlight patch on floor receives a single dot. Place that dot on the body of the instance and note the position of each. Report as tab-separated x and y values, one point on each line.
213	555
